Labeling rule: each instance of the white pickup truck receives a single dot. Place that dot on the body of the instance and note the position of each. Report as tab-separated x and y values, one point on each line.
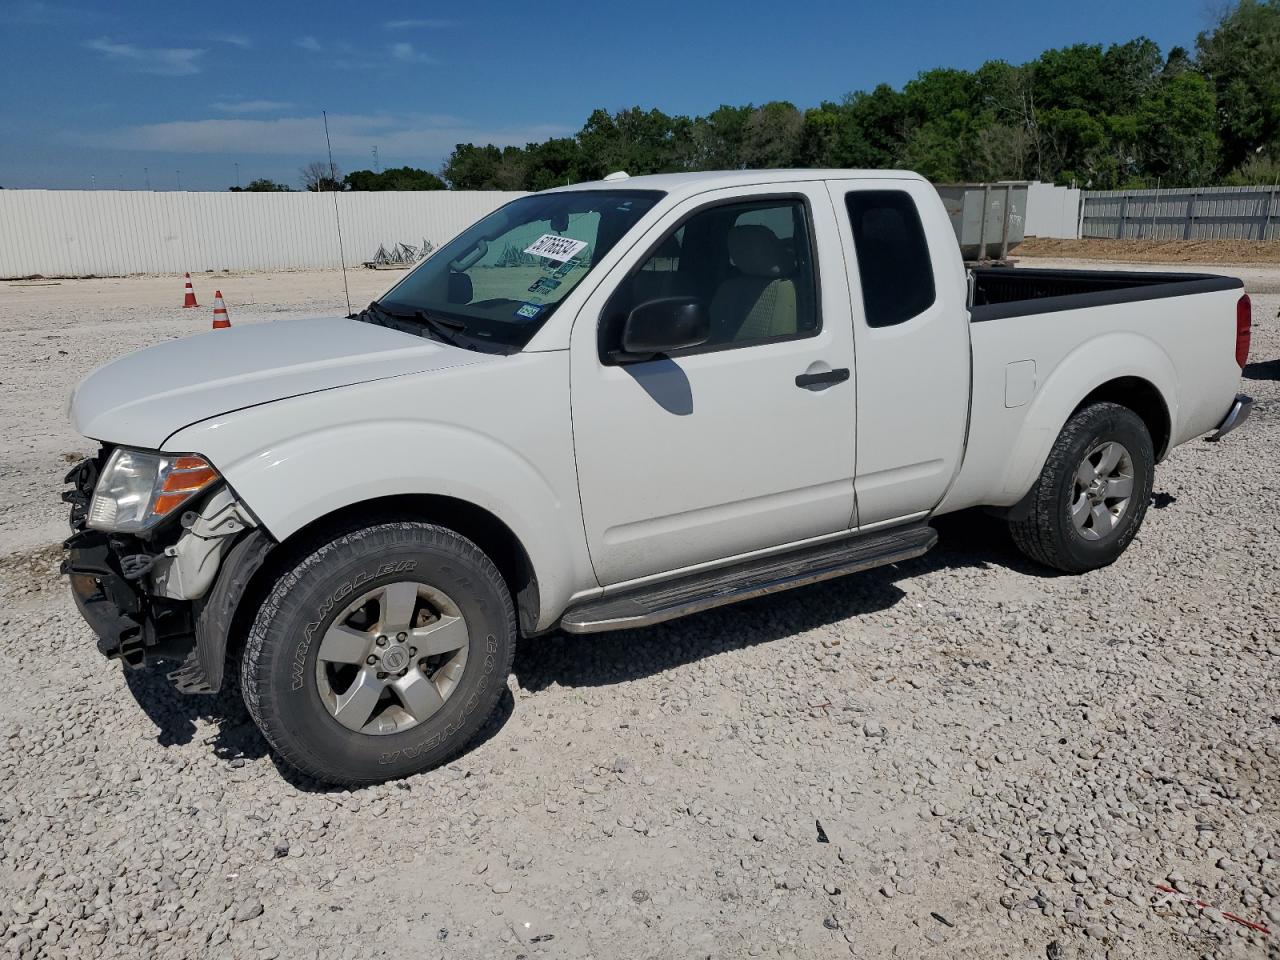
602	407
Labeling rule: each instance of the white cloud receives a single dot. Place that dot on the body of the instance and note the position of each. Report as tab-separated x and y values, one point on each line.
310	43
417	24
406	53
235	39
166	61
409	137
250	106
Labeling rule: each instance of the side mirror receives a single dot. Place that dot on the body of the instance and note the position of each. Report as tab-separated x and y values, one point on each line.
661	326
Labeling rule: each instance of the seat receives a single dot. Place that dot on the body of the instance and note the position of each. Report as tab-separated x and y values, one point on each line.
761	301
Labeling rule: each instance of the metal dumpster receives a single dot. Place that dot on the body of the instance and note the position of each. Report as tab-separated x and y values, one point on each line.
989	237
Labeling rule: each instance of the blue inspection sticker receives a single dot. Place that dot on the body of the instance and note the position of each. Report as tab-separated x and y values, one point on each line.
529	310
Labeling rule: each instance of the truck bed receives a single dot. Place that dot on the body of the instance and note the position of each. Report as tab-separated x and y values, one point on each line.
1000	292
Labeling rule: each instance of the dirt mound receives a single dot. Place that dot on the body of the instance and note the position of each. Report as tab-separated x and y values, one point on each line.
1154	251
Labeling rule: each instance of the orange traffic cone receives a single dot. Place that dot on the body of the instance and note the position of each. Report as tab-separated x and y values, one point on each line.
189	300
220	319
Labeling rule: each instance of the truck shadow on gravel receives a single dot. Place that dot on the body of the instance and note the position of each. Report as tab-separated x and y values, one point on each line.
234	737
175	714
1265	370
965	539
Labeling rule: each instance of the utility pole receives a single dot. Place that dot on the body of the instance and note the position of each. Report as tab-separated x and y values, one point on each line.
237	175
376	167
146	175
93	181
179	173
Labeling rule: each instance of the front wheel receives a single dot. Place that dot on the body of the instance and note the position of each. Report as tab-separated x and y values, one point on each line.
1093	492
381	654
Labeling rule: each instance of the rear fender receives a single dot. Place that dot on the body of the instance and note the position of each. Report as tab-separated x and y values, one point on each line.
1098	361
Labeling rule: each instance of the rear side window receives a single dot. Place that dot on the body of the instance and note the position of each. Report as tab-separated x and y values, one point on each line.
893	256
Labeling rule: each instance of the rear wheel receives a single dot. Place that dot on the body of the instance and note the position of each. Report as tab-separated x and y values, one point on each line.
1092	495
381	654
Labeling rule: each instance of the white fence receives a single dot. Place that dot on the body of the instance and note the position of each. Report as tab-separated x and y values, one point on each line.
76	233
111	233
1194	213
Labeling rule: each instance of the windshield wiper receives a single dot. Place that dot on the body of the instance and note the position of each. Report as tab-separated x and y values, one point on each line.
444	329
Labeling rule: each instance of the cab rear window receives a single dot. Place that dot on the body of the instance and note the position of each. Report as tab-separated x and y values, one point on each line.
893	256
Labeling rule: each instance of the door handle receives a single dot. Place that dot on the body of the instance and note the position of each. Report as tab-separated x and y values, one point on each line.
839	375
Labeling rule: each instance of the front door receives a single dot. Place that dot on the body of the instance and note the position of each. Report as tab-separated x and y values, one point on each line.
719	450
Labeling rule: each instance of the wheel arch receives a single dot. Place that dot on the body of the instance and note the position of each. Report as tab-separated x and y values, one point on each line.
1142	397
482	527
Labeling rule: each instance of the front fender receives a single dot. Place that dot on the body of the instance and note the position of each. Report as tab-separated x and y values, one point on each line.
1095	362
504	447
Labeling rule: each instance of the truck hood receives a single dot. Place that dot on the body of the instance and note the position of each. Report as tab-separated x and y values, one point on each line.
143	398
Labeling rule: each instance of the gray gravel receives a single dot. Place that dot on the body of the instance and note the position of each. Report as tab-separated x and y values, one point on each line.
959	756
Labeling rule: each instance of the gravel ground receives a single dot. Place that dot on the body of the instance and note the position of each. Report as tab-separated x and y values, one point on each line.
960	755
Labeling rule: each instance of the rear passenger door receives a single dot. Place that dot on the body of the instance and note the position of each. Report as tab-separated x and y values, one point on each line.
911	336
719	450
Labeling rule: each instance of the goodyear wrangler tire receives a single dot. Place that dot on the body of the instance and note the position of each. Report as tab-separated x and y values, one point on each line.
1092	495
381	654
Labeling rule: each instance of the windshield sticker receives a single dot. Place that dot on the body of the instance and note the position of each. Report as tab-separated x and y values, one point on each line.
543	285
529	311
556	248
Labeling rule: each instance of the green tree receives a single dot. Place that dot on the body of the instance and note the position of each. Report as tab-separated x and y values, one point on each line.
394	178
716	139
472	168
772	136
262	185
1177	128
635	140
1240	57
875	132
1130	73
552	163
1070	78
820	136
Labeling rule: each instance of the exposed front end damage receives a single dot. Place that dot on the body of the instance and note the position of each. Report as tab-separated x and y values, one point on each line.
169	593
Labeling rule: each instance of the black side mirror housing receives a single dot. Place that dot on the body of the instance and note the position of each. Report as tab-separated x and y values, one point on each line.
661	326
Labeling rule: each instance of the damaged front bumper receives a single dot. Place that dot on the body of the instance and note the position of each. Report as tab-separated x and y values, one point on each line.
172	596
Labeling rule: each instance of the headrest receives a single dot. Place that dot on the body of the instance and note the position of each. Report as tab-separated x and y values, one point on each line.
756	251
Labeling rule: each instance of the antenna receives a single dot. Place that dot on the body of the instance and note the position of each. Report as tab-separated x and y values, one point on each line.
333	181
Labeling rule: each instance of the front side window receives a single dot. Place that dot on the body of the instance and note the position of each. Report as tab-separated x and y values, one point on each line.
498	281
893	256
750	264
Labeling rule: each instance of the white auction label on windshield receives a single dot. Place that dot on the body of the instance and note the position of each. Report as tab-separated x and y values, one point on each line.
556	248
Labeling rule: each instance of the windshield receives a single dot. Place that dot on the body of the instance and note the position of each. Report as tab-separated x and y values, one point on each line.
498	281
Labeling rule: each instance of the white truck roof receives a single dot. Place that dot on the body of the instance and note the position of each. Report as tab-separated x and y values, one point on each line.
690	183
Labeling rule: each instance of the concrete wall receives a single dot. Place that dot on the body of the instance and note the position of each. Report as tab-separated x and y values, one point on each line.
60	233
1201	213
1052	211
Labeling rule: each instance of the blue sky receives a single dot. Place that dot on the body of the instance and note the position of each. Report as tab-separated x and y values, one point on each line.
95	93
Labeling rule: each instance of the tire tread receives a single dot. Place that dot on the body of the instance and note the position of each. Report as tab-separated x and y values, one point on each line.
255	685
1037	534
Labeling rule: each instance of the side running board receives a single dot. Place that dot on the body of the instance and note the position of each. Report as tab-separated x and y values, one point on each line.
655	603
